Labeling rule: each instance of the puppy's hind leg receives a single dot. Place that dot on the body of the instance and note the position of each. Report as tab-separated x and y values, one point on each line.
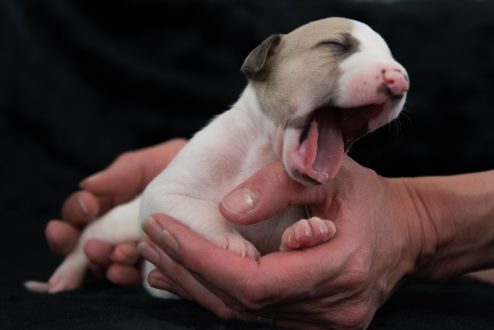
68	276
118	225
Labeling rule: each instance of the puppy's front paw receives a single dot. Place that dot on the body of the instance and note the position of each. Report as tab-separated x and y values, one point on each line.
306	233
236	243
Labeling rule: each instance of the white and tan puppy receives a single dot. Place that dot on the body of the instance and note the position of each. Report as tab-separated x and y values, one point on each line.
311	93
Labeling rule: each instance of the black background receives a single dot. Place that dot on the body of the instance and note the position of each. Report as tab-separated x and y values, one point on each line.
83	81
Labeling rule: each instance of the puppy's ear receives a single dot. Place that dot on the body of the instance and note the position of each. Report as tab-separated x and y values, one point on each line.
254	66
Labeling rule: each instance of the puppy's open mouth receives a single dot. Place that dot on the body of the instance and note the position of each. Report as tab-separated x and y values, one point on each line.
328	133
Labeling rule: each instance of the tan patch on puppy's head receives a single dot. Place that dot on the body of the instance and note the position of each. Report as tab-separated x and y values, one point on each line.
294	73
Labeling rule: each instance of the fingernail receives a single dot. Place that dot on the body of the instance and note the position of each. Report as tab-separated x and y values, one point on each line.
150	226
148	252
241	201
158	282
157	232
169	241
82	206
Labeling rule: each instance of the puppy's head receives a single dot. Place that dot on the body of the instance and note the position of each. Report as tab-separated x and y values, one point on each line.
324	85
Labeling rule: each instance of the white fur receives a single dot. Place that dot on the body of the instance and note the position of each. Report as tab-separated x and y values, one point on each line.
354	85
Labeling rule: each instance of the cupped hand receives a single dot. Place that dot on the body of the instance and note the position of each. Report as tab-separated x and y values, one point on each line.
122	181
338	284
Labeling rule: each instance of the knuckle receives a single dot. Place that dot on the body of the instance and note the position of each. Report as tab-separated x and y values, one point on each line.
354	280
357	275
356	317
253	296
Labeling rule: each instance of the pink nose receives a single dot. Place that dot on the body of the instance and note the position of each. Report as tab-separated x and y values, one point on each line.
396	81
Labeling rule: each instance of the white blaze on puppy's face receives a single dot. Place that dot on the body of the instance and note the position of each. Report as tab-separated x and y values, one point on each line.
324	85
364	74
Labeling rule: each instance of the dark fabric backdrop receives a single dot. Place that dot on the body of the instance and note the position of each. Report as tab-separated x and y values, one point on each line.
83	81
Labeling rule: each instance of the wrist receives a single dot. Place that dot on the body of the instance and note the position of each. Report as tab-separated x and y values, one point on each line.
452	224
415	222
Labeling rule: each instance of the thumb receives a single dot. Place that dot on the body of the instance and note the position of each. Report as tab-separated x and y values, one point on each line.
265	194
128	175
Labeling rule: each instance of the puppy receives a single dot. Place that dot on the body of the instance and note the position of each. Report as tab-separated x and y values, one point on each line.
311	94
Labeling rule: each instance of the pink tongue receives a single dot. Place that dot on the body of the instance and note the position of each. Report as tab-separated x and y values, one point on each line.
323	150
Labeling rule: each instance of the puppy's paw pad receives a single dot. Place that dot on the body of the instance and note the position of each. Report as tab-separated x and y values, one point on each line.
236	243
306	233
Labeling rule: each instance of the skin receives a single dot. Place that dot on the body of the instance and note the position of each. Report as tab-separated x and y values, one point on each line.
339	284
387	230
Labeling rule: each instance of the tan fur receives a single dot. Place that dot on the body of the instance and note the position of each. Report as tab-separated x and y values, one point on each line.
300	61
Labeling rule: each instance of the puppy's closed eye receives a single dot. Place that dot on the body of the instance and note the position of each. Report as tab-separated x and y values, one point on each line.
340	45
335	46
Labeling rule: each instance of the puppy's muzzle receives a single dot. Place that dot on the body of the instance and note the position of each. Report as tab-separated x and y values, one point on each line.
395	83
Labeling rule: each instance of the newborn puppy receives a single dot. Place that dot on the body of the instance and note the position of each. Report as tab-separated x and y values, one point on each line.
311	93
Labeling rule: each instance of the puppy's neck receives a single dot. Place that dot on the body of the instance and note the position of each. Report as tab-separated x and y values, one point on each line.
244	140
249	110
248	104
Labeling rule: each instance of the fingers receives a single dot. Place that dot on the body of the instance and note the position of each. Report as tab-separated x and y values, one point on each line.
177	279
127	176
118	264
124	179
80	208
157	280
199	248
125	253
124	275
218	269
293	288
98	253
61	236
180	281
267	193
120	182
156	233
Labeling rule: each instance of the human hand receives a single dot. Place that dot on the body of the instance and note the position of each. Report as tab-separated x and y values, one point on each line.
338	284
122	181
